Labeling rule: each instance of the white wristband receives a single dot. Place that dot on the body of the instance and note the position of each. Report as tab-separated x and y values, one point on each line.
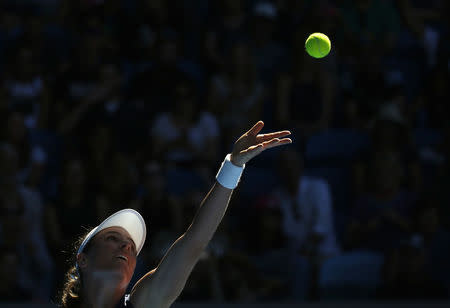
229	174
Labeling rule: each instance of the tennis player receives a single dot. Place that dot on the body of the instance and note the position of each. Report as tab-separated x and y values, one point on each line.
106	257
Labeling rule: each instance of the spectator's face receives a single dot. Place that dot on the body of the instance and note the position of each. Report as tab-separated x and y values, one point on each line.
113	253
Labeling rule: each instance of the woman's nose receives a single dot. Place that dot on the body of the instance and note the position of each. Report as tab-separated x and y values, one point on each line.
127	245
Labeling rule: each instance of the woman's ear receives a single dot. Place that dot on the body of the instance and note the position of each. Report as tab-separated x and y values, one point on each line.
82	260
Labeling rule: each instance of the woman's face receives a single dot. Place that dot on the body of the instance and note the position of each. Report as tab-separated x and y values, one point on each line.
112	251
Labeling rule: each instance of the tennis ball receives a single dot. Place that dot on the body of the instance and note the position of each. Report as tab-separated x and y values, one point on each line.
318	45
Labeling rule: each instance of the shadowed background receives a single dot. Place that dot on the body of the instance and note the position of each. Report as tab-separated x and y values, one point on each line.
113	104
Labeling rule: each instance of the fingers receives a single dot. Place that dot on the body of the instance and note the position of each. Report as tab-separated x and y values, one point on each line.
260	147
266	137
276	142
256	128
267	145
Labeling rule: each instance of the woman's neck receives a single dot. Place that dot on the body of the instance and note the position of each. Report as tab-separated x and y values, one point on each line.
104	290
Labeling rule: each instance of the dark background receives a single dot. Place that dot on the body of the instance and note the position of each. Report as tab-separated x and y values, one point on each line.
107	104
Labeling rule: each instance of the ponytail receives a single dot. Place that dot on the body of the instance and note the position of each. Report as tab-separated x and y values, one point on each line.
71	294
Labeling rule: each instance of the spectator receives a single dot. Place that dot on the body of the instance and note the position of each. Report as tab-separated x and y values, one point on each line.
205	283
4	100
381	216
307	212
390	136
79	95
228	25
363	22
308	221
185	134
426	21
269	55
295	90
15	134
157	202
439	188
350	113
242	282
25	86
22	227
118	185
11	289
236	85
155	81
436	92
264	231
435	238
406	276
73	200
98	148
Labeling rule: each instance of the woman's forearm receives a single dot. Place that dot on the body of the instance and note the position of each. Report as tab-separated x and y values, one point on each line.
209	215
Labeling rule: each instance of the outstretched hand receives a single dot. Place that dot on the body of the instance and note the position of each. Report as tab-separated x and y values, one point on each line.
252	144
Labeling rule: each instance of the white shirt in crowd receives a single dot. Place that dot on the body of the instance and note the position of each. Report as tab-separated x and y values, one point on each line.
309	212
198	133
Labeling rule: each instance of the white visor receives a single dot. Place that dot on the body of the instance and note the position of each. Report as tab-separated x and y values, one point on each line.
128	219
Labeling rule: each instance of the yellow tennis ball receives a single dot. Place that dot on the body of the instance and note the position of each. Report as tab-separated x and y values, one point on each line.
318	45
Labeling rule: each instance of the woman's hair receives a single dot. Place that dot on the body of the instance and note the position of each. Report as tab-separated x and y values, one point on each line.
71	295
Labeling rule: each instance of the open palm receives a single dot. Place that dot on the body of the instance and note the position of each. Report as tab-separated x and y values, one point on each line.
252	143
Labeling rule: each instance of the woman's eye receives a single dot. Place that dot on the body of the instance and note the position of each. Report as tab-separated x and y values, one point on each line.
112	237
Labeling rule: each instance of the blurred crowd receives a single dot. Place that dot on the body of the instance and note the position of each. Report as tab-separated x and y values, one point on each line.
107	104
